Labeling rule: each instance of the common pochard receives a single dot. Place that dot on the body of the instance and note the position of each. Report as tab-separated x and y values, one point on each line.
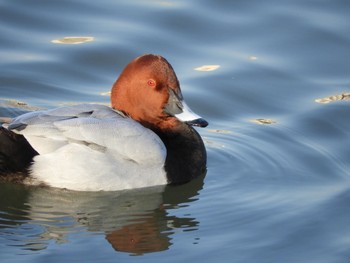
146	138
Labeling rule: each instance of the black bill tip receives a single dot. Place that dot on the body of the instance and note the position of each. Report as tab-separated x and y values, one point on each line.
198	122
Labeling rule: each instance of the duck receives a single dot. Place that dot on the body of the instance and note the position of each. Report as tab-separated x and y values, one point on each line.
147	137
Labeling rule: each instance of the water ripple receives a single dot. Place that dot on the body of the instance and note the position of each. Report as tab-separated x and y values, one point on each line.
275	192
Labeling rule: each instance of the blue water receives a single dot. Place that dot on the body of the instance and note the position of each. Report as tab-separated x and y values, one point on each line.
277	187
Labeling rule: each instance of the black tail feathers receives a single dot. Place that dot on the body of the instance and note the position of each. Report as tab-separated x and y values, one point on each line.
16	154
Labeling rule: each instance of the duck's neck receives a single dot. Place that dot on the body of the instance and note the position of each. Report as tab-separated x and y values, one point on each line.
186	154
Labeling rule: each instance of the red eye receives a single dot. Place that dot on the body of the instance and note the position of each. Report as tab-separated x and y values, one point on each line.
151	83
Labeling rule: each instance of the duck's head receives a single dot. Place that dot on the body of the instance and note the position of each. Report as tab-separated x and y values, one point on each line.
149	92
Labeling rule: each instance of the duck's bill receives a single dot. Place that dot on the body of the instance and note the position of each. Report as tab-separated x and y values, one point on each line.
191	118
177	107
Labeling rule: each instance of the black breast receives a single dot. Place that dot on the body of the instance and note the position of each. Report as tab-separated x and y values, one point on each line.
186	155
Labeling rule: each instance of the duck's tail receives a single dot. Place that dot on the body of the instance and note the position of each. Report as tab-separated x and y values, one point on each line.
16	154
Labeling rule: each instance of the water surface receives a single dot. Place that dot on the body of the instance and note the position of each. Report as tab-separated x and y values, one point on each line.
277	100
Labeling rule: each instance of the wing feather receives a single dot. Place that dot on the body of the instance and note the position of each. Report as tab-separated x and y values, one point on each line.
90	124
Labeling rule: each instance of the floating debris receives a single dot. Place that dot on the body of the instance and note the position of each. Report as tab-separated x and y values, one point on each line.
106	93
11	103
263	121
4	121
343	96
73	40
207	68
219	131
10	108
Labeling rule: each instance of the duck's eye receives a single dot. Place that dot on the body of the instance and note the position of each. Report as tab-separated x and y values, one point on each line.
151	83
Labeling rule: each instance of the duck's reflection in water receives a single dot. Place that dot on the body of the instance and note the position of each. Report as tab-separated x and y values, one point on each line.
134	221
140	238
